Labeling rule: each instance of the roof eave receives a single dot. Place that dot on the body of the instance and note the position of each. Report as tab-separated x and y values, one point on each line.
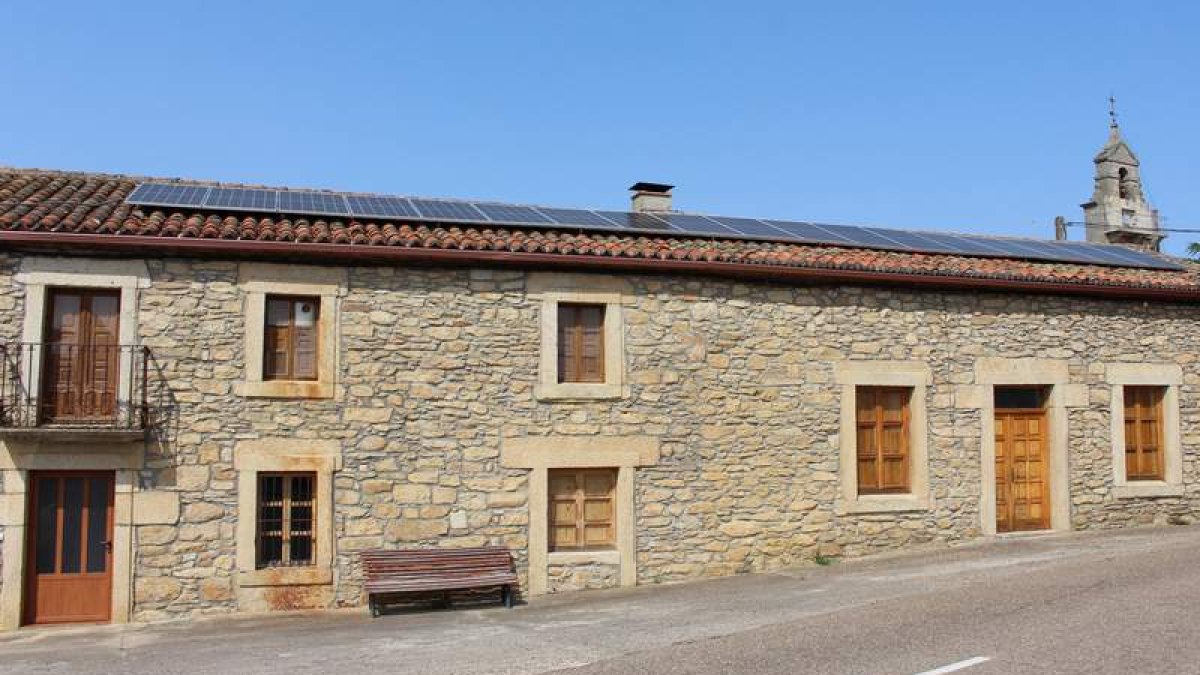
373	254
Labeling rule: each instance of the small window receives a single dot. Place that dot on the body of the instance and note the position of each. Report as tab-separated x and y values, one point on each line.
580	343
883	439
286	510
582	516
1144	433
1020	398
290	338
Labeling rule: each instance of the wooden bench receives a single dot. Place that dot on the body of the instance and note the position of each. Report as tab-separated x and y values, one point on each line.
395	571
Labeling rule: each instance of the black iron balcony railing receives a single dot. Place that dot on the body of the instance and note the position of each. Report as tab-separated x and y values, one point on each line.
53	385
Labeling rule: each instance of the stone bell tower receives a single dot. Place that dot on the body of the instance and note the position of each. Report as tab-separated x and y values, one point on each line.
1118	212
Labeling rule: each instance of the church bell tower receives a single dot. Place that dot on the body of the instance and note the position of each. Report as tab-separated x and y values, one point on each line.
1118	212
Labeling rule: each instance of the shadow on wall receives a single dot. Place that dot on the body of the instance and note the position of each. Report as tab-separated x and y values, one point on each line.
162	424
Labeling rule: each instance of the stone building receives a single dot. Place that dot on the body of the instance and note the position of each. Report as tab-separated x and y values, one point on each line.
214	408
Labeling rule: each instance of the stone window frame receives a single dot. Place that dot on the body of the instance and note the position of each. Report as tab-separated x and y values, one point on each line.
914	375
1169	376
540	454
552	289
40	274
285	455
257	281
1063	395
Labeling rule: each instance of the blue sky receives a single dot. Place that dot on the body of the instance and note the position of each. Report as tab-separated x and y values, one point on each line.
949	115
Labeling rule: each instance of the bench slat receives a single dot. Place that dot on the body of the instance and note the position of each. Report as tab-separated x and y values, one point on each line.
411	570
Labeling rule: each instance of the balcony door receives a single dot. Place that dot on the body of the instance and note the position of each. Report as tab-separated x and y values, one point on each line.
81	356
68	571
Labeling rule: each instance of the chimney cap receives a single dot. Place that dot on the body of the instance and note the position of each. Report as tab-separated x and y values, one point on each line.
657	188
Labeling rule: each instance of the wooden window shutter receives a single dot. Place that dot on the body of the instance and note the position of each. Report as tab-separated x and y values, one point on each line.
81	355
882	443
580	342
305	318
1144	433
291	338
582	509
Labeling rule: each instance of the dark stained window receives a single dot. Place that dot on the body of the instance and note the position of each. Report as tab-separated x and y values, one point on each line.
290	338
580	342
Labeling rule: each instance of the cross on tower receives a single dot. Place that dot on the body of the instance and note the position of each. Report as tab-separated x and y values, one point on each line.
1112	111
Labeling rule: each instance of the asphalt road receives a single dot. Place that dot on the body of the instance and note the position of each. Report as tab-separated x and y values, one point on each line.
1121	602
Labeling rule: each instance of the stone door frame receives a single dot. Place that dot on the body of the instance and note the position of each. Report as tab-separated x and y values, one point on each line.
14	508
1054	374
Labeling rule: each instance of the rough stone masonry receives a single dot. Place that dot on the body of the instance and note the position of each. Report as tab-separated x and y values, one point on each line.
436	368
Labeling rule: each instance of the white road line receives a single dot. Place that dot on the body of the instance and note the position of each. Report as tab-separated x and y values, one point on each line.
959	665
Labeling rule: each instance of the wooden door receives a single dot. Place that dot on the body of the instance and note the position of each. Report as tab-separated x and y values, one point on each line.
1022	471
68	569
81	357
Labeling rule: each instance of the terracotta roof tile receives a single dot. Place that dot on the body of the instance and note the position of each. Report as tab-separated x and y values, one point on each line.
82	203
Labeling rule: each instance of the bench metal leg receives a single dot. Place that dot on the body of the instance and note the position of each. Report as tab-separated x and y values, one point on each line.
373	604
506	593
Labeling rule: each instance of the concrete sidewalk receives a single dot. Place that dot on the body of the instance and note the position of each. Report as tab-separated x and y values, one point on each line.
617	627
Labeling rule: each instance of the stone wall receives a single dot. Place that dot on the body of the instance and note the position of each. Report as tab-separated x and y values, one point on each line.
577	576
11	310
437	367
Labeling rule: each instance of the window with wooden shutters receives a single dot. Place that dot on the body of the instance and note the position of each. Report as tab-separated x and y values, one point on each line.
286	508
582	513
883	439
580	342
290	338
1144	433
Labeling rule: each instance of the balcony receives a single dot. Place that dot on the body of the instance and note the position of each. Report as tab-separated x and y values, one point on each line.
69	392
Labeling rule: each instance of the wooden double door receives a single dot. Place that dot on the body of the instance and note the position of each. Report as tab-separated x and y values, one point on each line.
82	357
68	567
1022	469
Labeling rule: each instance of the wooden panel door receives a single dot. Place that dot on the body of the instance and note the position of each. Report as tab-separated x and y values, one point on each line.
1022	471
81	358
68	570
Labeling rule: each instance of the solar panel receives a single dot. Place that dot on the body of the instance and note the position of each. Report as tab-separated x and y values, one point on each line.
504	213
316	202
575	217
750	227
962	245
158	194
865	236
435	209
243	199
303	201
380	207
1118	255
918	241
693	224
1031	249
635	221
810	232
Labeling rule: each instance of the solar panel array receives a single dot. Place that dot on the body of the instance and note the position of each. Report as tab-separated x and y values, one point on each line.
323	203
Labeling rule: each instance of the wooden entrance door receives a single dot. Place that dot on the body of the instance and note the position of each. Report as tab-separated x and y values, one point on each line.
69	563
81	356
1022	470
